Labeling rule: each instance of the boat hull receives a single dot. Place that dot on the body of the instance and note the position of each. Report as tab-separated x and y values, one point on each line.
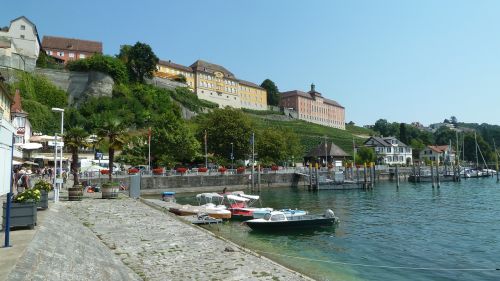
190	212
291	224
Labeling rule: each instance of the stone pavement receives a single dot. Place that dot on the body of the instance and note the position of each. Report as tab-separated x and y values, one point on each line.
158	246
124	239
63	249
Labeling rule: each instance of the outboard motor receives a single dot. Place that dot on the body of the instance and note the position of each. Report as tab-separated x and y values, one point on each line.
329	214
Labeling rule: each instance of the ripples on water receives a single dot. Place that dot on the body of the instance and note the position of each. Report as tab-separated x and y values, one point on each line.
455	226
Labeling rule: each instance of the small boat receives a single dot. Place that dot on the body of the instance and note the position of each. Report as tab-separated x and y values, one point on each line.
288	212
278	221
168	196
240	206
213	205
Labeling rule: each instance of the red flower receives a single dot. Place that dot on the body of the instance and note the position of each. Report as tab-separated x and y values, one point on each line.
202	170
222	170
104	172
274	168
133	171
158	171
181	170
240	170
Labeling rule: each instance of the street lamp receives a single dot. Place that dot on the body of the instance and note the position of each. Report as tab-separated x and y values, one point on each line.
232	156
58	183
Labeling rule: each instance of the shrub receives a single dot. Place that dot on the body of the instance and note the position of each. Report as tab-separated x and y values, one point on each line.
29	195
103	63
43	185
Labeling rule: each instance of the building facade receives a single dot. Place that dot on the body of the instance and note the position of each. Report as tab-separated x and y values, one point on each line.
215	83
313	107
6	132
69	49
19	45
439	153
390	150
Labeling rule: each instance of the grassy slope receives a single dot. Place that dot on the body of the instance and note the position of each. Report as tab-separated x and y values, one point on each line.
312	134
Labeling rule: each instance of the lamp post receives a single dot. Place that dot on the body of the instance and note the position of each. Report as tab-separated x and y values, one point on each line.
232	156
58	183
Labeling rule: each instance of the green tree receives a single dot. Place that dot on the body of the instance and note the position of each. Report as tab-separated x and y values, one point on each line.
223	127
403	137
417	146
140	61
74	139
114	130
444	135
103	63
172	141
365	155
273	94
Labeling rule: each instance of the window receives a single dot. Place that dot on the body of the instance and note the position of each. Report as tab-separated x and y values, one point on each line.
389	159
23	27
71	55
22	36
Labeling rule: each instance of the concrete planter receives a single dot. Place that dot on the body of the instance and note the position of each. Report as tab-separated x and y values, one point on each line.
110	190
44	200
21	214
75	193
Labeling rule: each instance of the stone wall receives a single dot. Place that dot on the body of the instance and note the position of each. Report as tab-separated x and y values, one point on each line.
79	85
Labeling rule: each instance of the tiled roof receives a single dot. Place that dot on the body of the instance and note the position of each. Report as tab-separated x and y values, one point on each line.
16	106
438	148
250	84
309	95
386	142
201	65
331	149
70	44
175	66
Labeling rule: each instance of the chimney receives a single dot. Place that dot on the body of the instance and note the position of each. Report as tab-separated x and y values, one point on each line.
313	88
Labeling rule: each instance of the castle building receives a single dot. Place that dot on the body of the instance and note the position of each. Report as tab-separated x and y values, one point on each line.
313	107
215	83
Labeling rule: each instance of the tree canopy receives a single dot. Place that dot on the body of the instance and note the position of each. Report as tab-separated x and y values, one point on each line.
273	94
140	61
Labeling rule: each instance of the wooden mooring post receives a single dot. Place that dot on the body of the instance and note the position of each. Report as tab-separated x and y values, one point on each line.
437	174
432	174
365	184
397	176
310	177
317	177
258	177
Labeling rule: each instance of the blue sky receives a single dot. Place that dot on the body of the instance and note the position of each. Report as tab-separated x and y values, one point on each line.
400	60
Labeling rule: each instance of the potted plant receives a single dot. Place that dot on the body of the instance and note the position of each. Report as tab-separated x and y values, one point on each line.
75	138
222	170
45	187
158	171
110	190
181	170
23	209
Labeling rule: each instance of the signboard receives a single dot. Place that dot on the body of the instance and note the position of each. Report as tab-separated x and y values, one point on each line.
98	155
59	143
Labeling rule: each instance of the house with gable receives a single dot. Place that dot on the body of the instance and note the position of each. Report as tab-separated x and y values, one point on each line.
390	150
19	45
440	153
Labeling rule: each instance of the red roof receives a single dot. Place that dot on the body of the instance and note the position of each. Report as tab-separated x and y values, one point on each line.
438	148
70	44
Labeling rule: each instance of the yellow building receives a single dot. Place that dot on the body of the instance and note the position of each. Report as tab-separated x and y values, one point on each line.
215	83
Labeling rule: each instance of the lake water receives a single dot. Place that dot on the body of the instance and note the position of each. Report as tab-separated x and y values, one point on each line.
411	233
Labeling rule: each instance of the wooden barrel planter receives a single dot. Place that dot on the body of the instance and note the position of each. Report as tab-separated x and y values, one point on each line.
75	193
21	215
110	190
44	200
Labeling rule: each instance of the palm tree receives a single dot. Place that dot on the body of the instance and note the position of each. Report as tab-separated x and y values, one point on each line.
74	139
113	129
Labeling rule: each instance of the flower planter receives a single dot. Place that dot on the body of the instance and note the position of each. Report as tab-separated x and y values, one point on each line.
75	193
21	214
44	200
110	190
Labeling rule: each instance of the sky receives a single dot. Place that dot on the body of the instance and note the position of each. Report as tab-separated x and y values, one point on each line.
404	61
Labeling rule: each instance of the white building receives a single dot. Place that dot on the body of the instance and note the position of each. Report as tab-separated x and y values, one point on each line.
390	150
6	131
19	45
441	153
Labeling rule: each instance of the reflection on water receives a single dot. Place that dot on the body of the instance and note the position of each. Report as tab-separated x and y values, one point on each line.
455	226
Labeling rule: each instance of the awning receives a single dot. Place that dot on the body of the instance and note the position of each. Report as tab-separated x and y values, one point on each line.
30	145
15	162
43	138
30	163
